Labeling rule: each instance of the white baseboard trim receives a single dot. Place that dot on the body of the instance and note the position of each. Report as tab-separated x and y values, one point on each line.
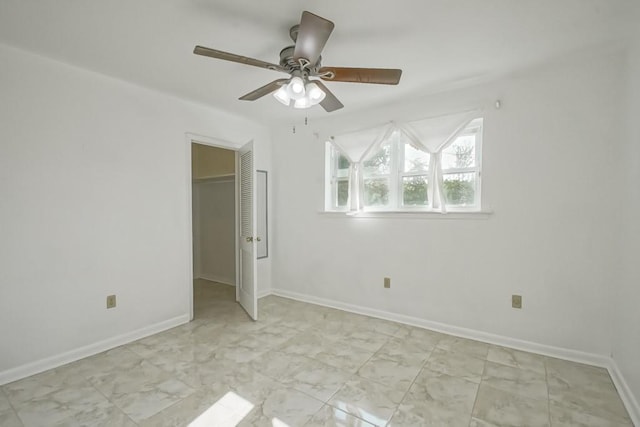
264	293
218	279
546	350
42	365
627	396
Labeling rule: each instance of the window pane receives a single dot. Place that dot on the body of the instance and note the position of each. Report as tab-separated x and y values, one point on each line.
414	190
460	188
415	160
376	192
342	193
343	162
340	163
460	154
379	163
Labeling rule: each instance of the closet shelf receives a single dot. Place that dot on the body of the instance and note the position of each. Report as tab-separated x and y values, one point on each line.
224	177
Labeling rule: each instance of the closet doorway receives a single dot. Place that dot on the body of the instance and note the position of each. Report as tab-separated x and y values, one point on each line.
213	173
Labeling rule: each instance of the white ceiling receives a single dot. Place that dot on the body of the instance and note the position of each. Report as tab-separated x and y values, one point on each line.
436	42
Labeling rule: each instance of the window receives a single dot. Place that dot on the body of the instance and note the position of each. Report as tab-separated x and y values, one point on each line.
338	195
396	175
377	174
414	179
461	168
399	175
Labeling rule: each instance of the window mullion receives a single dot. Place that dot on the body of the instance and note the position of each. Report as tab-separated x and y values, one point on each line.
334	185
478	194
397	156
330	158
460	170
430	181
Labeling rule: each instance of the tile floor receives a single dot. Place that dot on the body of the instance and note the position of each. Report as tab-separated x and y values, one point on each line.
305	365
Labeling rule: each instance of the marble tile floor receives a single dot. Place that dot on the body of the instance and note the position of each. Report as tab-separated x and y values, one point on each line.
306	365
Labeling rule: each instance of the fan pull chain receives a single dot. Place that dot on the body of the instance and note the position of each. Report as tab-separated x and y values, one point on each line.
306	123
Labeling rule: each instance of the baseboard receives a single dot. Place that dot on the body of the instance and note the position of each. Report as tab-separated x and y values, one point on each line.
42	365
264	293
261	294
628	398
546	350
218	279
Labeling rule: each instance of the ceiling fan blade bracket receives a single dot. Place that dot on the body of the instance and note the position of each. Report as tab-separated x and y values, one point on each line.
327	75
304	63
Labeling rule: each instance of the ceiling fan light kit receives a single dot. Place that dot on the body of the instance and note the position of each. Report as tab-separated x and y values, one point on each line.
302	62
303	95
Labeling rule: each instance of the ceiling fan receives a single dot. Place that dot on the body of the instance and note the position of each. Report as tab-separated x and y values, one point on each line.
302	62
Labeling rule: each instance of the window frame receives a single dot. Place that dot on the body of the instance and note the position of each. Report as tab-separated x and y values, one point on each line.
392	176
396	175
402	146
475	128
332	161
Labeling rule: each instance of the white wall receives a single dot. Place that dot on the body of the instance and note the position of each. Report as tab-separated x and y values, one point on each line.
546	177
215	228
626	327
86	212
263	161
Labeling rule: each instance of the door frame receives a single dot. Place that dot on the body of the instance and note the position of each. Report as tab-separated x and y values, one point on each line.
193	138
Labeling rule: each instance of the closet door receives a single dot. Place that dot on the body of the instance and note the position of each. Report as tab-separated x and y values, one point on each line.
247	292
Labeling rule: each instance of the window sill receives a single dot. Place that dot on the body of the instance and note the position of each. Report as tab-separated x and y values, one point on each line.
484	214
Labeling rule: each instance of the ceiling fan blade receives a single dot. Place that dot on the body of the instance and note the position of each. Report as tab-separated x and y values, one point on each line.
313	34
218	54
264	90
383	76
330	102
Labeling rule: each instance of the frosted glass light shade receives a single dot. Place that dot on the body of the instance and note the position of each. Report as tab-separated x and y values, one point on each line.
303	102
295	88
282	96
314	93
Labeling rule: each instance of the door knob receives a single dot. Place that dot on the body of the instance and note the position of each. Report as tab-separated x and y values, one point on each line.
249	239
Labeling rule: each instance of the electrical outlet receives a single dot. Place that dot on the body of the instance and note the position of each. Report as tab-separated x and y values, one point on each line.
387	282
111	301
516	301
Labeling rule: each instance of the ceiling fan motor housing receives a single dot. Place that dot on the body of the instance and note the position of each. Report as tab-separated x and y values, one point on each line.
293	32
288	61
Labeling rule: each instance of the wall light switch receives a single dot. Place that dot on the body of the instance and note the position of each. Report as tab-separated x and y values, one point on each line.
387	282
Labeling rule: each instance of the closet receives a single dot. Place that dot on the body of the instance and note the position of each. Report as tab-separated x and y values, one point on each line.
214	190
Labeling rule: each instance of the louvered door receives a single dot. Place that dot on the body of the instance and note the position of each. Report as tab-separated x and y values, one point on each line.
247	294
